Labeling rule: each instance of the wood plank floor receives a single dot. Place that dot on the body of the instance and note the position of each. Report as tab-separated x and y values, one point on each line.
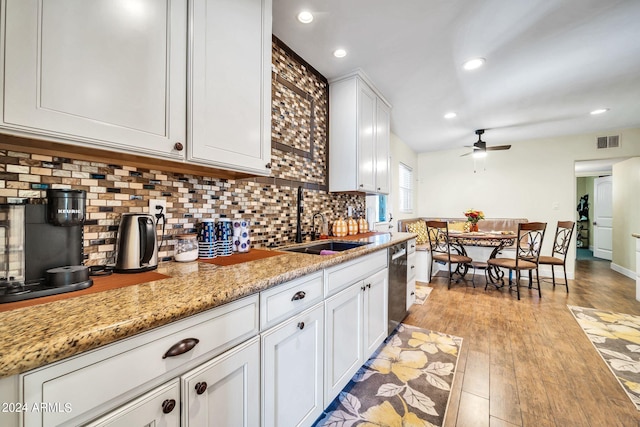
527	362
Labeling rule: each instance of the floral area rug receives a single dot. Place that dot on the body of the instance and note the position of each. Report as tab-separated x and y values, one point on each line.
407	382
617	338
422	293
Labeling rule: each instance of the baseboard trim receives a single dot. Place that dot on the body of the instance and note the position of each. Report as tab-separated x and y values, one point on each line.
624	271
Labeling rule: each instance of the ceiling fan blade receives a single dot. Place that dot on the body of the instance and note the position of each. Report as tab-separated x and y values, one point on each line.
465	154
498	147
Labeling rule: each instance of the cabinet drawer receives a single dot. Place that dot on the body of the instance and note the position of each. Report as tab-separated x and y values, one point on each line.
97	381
343	275
287	299
411	246
148	409
411	266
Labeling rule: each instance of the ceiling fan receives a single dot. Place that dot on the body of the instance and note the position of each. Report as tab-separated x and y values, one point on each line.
480	147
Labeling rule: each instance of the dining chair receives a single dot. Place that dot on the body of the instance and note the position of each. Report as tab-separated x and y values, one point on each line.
564	231
445	252
528	246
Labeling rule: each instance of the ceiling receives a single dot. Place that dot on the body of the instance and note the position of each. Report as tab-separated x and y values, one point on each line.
549	63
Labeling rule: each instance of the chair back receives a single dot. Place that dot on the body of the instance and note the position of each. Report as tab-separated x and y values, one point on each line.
530	236
564	231
438	232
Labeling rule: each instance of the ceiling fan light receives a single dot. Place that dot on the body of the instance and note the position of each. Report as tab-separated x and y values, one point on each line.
479	154
473	64
599	111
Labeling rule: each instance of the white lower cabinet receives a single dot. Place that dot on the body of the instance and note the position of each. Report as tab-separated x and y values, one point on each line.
159	407
356	325
292	370
224	392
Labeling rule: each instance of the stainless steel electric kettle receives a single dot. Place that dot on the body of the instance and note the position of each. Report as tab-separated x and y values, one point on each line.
137	245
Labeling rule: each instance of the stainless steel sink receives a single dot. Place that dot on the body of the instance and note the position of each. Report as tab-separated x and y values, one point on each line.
331	246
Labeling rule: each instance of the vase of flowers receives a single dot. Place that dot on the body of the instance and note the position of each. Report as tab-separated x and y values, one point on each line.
473	216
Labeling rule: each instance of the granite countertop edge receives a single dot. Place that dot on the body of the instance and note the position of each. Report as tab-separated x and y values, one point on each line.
636	235
42	334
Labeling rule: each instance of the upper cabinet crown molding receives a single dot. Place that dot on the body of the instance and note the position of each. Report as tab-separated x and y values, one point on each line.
359	136
359	73
102	74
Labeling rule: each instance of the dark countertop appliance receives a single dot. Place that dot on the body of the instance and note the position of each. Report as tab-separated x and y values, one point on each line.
137	244
41	246
397	285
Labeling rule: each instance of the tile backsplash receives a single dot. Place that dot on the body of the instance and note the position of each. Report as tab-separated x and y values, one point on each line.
299	158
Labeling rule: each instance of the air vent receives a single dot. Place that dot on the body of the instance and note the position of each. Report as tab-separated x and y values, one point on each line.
608	141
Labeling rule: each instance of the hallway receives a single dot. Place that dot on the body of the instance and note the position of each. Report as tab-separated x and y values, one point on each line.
527	362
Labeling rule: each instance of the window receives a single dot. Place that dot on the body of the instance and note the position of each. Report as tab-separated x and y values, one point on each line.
405	193
377	206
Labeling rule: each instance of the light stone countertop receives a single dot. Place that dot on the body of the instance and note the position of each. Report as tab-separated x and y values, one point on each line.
35	336
636	235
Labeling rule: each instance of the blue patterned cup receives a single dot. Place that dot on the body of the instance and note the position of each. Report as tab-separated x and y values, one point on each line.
207	231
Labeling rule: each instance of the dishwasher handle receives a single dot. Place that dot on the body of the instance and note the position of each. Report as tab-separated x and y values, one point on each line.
399	254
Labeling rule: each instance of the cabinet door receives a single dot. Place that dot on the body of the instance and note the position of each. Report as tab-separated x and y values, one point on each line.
226	390
102	72
366	138
230	84
411	276
383	123
292	370
375	311
343	336
159	407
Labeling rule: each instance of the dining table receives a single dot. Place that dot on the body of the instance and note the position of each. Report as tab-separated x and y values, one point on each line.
498	240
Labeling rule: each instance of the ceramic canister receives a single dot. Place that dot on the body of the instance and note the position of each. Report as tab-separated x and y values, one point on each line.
244	240
207	231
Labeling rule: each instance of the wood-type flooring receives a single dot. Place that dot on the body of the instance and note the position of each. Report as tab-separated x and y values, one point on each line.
527	362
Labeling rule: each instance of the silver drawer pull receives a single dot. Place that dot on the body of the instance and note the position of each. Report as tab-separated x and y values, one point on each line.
298	296
181	347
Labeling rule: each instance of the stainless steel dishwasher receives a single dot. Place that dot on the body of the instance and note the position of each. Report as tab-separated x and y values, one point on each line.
397	284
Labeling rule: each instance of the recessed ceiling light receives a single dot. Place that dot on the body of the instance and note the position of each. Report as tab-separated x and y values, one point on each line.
474	63
599	111
450	115
305	17
339	53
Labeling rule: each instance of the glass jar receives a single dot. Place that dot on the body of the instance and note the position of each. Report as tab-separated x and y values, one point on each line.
186	248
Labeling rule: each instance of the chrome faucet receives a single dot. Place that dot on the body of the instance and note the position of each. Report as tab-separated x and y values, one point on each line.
313	225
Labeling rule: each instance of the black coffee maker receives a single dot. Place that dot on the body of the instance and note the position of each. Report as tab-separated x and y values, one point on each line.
41	246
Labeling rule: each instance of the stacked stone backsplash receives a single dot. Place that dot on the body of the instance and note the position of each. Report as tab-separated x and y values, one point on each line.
299	157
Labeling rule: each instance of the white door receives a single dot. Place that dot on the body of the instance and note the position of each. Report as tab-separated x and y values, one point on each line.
292	370
375	311
343	336
366	138
224	392
383	124
230	84
603	217
159	407
108	73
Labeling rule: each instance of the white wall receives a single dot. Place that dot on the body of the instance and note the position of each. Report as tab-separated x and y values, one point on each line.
402	153
534	179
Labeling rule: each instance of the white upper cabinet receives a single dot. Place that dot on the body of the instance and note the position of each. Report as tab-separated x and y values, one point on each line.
359	133
105	73
230	84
